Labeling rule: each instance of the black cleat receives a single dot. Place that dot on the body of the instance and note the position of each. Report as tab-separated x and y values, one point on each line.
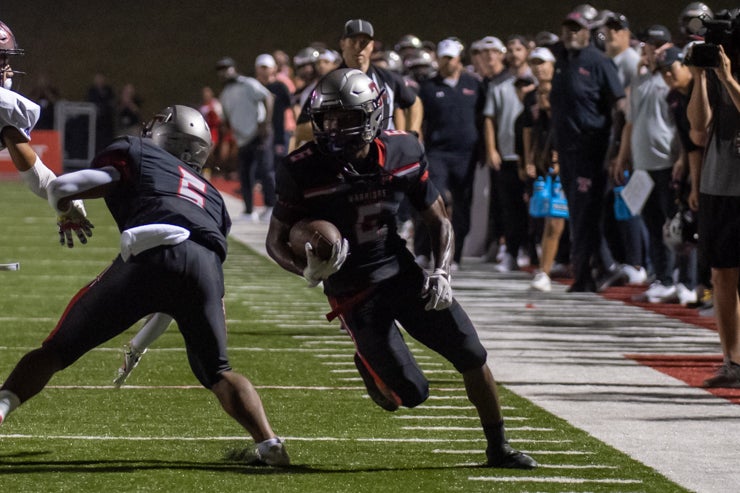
509	458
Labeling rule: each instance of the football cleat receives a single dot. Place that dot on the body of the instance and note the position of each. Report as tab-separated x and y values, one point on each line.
510	458
131	358
273	453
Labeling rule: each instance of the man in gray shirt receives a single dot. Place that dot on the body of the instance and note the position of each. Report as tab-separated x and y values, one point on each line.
247	106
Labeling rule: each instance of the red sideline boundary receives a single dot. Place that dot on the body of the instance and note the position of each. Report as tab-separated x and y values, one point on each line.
692	369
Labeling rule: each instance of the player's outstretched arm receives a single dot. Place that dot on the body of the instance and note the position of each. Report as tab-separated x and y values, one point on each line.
65	196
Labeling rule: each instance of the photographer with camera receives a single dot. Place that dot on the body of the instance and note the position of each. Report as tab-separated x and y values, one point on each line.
714	115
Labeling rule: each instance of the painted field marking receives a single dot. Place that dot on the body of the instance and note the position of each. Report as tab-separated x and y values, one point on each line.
559	480
465	428
533	452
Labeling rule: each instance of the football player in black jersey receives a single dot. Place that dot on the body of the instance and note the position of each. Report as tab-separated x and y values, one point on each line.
355	175
173	227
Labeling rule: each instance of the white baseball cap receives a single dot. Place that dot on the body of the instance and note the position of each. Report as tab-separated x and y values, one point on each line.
491	43
541	53
265	60
449	47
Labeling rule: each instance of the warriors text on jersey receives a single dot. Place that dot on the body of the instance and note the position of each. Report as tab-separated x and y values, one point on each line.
156	187
361	201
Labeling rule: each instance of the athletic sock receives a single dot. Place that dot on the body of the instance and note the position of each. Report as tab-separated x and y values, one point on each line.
8	402
496	438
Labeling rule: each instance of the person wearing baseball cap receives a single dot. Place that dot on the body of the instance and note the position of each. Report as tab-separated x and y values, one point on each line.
585	90
648	139
452	103
656	35
490	58
357	27
403	109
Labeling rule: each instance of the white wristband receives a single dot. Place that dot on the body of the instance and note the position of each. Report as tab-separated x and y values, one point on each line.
38	178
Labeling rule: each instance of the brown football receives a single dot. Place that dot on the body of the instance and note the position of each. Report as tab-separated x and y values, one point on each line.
320	233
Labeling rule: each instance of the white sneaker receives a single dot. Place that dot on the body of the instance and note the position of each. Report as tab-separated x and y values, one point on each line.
131	358
507	264
635	275
658	293
685	295
541	282
272	452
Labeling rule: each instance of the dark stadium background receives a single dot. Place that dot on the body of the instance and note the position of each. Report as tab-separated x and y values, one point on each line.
167	48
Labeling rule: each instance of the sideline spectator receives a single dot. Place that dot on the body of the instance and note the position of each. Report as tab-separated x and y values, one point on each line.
101	94
128	111
501	111
585	91
45	94
453	101
276	146
714	115
649	142
247	106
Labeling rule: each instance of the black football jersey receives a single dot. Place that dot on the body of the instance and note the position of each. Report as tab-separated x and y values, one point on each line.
362	203
156	187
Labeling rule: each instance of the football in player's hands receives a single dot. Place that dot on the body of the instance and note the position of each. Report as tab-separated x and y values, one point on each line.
321	234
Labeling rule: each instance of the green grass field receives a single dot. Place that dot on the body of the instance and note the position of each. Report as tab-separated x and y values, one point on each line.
164	433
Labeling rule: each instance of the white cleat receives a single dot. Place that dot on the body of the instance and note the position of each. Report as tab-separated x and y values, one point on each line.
131	358
273	453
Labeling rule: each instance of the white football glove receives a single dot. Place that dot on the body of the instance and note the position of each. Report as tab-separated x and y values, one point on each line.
317	270
437	288
74	220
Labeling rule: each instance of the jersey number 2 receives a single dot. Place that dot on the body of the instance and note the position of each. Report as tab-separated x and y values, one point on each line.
191	188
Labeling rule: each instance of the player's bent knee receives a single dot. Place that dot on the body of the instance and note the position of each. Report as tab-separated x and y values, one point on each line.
415	395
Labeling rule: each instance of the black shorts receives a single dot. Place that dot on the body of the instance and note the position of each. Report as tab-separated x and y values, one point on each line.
185	281
719	230
372	325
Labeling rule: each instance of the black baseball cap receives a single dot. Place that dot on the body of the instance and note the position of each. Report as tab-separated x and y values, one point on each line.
668	57
656	35
617	21
225	62
353	27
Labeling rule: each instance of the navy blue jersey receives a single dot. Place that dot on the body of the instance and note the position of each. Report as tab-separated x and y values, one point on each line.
362	203
585	87
452	114
156	187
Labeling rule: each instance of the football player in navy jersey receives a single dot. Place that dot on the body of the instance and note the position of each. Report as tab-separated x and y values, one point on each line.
173	227
355	175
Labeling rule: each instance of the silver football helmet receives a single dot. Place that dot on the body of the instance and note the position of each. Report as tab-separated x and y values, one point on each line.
360	103
183	132
694	10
